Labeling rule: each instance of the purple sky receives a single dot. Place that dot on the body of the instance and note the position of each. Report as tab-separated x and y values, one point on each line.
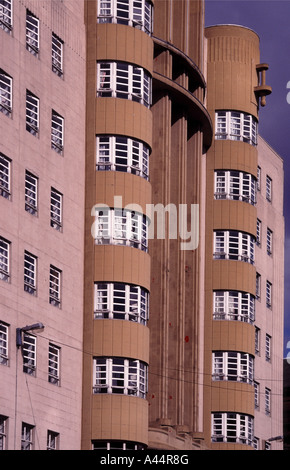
270	19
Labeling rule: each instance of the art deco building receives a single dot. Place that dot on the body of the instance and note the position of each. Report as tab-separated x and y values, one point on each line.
116	116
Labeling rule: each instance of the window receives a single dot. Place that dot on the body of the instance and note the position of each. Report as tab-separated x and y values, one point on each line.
32	113
234	245
5	93
268	294
52	440
258	286
31	186
53	364
259	178
268	348
3	432
257	340
30	266
116	445
234	305
121	301
269	241
268	188
56	209
3	344
5	176
232	427
235	185
57	129
54	286
27	437
57	55
123	80
256	443
259	232
29	354
6	15
267	401
32	33
257	395
231	365
119	375
121	227
136	13
4	259
235	125
120	153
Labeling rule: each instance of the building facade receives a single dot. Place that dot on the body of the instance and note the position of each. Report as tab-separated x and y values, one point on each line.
141	231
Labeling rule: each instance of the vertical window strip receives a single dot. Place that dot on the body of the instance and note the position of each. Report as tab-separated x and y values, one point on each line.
30	266
267	401
5	176
57	54
31	190
57	131
3	343
32	33
4	259
268	348
27	436
5	93
269	241
55	286
53	364
29	354
6	15
52	440
268	188
268	294
56	209
32	113
3	431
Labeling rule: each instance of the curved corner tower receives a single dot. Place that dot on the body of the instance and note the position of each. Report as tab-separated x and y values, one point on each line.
236	83
117	263
182	132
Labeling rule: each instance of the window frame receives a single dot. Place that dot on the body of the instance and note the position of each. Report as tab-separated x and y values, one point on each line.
54	364
236	125
119	300
124	80
57	48
269	188
32	113
29	353
232	366
6	15
4	343
6	93
5	247
122	153
269	294
55	285
234	245
269	241
31	193
118	375
109	11
233	305
258	286
32	32
121	227
232	428
57	132
235	185
3	432
267	401
5	176
259	233
27	436
257	395
30	273
52	441
56	209
268	347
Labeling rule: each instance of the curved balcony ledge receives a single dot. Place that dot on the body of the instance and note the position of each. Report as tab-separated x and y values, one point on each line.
194	108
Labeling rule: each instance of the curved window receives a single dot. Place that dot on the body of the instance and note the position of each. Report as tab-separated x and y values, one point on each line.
121	153
232	427
117	445
123	80
234	245
136	13
234	125
234	305
233	366
121	227
119	375
121	301
235	185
